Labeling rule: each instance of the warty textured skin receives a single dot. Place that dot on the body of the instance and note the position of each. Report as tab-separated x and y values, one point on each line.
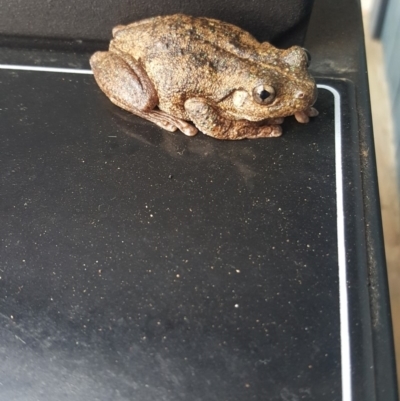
174	69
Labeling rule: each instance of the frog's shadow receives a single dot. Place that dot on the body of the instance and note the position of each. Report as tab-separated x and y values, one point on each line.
202	148
175	143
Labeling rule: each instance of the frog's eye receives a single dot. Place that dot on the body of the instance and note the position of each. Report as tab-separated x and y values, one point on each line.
308	57
264	94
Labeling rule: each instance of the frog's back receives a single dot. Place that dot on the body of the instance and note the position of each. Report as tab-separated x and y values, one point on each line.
179	32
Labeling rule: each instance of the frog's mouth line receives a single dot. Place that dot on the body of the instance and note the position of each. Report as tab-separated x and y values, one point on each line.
271	111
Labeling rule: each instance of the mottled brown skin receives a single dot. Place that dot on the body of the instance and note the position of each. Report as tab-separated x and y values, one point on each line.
175	69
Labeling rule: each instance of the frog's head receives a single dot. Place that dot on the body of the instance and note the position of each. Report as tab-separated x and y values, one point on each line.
278	86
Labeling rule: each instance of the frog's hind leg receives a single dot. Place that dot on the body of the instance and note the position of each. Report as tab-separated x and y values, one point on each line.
127	85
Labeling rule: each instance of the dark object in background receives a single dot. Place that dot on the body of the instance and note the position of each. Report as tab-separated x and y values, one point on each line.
282	22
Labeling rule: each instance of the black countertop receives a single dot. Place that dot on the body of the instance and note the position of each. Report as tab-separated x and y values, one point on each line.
138	264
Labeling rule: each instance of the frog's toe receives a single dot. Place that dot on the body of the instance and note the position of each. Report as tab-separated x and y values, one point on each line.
189	129
276	131
301	117
167	126
312	112
304	116
270	131
171	123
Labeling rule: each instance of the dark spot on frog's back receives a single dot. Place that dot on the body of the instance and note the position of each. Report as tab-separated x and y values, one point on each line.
203	60
206	24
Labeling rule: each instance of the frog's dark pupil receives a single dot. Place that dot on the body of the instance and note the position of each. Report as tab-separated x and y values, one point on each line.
264	94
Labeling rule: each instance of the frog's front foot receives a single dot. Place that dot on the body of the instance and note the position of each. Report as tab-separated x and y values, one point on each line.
209	120
304	116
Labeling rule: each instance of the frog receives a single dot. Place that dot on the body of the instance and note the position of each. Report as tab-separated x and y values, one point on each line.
201	74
